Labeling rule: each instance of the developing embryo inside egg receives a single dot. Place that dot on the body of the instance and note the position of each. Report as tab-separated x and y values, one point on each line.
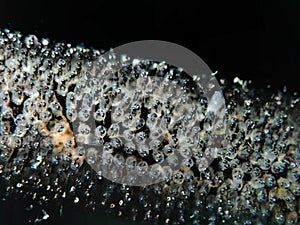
134	138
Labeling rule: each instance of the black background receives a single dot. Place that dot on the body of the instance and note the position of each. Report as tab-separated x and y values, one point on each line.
257	40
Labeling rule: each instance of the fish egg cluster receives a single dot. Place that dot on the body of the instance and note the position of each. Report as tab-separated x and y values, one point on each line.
72	117
143	119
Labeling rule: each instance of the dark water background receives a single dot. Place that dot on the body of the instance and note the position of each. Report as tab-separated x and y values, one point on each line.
257	40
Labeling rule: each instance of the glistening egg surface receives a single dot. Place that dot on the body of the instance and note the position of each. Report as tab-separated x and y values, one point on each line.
253	180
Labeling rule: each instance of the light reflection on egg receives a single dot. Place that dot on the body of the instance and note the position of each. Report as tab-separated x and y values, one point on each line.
254	180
